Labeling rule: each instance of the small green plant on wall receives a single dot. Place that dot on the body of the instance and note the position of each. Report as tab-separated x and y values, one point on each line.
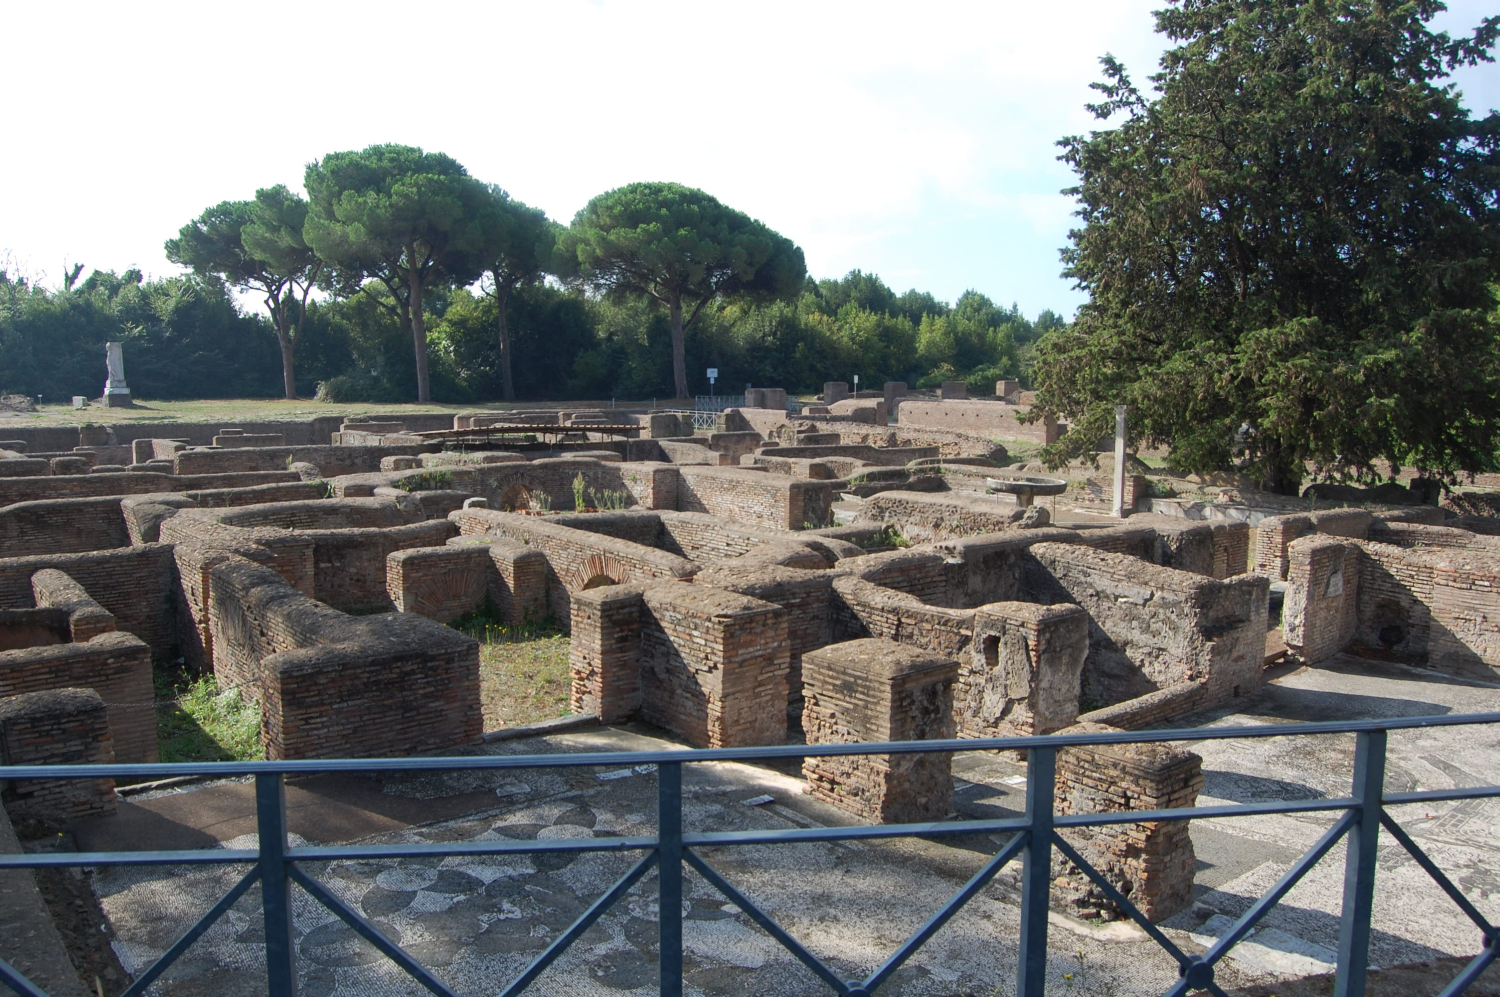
579	487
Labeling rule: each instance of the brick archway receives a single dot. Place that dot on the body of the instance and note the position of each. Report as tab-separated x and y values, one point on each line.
597	570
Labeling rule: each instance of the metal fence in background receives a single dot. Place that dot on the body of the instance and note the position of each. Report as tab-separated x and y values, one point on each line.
276	866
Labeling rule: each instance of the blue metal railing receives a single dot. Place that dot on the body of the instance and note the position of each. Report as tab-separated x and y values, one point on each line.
276	866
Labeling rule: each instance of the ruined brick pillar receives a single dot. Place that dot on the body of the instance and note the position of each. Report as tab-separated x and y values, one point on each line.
1151	862
604	655
872	690
57	727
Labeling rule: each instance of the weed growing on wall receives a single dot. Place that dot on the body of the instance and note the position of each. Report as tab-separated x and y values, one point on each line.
608	499
579	486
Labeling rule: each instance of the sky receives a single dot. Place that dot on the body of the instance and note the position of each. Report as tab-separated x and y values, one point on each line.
915	140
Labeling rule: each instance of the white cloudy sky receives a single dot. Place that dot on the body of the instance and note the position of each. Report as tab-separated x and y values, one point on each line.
912	139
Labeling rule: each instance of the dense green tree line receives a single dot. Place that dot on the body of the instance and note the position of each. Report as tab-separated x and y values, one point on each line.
186	338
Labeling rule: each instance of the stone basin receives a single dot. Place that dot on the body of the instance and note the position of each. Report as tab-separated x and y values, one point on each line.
1026	487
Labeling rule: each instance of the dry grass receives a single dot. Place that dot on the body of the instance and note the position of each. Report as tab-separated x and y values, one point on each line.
523	671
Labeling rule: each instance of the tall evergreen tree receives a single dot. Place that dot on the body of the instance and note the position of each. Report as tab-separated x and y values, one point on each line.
1291	253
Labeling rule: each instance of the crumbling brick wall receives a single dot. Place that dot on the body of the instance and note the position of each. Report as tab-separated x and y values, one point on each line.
707	664
138	585
61	526
872	691
56	727
1319	614
1151	862
575	558
1021	675
333	686
1435	606
1274	533
115	665
1153	627
928	516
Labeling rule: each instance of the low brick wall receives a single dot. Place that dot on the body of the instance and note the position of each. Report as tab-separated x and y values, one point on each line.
123	483
1438	607
329	460
576	559
1274	533
87	619
61	526
136	584
1319	614
335	686
988	418
1151	862
873	690
57	727
115	665
440	583
1152	627
707	664
773	500
927	516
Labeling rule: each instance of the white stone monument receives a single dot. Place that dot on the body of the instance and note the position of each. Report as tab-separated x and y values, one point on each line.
116	391
1120	512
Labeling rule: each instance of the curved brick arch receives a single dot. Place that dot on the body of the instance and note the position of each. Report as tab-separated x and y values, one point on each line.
597	566
517	496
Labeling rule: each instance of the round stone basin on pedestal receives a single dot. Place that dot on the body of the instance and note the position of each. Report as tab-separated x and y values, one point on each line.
1027	487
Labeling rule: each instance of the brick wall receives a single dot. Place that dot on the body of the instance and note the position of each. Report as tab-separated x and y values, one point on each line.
928	516
874	690
14	490
115	665
707	664
998	419
1151	862
137	584
575	558
805	595
86	618
57	727
920	573
1152	627
777	501
1438	607
440	583
1274	533
1021	675
714	666
333	686
61	526
329	460
1319	612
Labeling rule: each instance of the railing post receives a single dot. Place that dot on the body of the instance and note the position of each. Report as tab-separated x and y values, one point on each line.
669	875
1036	873
1359	864
275	885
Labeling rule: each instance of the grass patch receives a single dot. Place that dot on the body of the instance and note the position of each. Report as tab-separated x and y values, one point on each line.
196	721
523	671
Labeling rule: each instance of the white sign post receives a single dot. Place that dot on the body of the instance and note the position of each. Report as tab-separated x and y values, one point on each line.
856	385
713	375
1119	510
